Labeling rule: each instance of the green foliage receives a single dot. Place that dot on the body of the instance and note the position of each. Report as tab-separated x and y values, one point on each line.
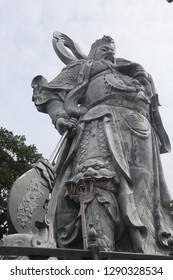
15	159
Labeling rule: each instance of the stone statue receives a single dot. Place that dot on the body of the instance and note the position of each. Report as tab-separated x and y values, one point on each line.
110	108
108	176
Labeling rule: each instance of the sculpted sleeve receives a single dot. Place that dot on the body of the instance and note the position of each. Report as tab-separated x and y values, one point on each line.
137	71
49	97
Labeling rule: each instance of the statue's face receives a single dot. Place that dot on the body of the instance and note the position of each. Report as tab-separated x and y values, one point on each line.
106	52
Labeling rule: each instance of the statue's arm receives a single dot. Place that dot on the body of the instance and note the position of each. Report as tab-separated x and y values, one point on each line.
49	97
146	80
51	102
59	117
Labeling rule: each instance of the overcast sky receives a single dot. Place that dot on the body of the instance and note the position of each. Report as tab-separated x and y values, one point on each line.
143	32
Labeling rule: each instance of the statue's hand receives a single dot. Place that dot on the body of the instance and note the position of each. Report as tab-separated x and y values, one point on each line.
64	124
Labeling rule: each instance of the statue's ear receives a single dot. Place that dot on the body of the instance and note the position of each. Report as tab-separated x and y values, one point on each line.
61	42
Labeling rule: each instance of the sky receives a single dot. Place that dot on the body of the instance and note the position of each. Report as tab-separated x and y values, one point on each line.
142	30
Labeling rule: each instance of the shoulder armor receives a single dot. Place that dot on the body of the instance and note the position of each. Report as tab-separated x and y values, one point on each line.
67	79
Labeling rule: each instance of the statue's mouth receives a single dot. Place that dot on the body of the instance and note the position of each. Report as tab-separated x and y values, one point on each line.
110	57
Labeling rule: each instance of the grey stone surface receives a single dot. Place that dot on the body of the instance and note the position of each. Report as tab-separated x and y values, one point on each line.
108	176
110	106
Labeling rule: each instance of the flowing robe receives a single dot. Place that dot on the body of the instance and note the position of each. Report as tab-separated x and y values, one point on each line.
117	149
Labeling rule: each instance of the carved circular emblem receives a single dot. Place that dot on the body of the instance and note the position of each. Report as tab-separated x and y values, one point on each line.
120	82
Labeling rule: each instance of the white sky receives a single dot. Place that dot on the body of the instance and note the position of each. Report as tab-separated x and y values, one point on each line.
143	31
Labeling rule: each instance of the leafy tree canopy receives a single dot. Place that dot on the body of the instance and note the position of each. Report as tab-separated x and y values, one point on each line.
15	159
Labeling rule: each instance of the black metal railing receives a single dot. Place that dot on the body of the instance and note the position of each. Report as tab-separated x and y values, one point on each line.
77	254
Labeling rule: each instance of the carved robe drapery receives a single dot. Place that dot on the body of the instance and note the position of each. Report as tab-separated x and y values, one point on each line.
118	146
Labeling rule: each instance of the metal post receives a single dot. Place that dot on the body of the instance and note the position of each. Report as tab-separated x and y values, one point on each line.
83	219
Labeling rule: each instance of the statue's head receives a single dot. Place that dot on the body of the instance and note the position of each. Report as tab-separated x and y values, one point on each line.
103	49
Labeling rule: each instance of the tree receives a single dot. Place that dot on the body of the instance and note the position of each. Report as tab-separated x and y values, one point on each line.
15	159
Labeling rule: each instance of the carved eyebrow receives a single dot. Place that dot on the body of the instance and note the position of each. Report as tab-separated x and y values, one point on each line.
104	48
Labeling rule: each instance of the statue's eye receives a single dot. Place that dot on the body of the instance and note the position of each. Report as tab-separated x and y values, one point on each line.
104	49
